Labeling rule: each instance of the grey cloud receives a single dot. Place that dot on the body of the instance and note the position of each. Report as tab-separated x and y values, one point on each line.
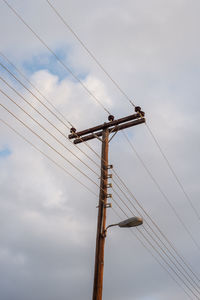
48	221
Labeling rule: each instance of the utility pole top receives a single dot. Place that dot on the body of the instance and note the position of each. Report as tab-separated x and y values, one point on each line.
112	126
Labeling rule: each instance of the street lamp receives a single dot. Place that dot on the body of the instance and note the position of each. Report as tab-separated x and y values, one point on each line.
131	222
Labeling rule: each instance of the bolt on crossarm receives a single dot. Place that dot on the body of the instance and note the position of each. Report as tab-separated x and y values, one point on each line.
104	130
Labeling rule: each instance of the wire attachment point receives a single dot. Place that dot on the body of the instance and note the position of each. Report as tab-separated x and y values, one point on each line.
109	185
73	130
109	196
110	167
108	205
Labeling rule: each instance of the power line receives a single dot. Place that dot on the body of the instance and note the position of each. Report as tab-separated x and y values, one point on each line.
173	172
56	56
25	87
163	258
166	254
87	189
157	236
166	270
33	85
48	157
163	194
90	53
151	253
161	248
38	99
46	129
153	222
31	130
186	264
103	205
149	242
39	135
40	115
91	94
78	169
80	182
51	50
50	104
130	101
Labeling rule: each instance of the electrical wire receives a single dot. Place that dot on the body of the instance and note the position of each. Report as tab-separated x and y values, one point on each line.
4	1
193	282
149	242
78	169
25	87
132	231
48	157
29	128
46	129
38	99
168	257
88	190
99	102
173	172
163	194
33	86
157	227
58	59
130	101
90	53
157	236
40	136
12	114
160	255
37	112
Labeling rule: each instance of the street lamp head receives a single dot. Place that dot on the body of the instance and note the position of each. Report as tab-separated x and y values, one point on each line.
132	222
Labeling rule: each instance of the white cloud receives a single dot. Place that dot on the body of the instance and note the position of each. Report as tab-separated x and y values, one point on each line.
48	221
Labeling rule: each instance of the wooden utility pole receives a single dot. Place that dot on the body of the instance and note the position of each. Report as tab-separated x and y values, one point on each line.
104	130
101	223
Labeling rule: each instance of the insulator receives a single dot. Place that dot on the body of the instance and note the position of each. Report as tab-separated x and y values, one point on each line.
111	118
142	113
73	130
137	109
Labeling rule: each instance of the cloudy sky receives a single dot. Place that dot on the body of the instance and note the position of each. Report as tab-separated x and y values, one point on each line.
47	217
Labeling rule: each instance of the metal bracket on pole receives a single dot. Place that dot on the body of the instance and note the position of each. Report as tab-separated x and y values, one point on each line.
110	167
108	205
112	136
109	176
96	136
109	185
109	196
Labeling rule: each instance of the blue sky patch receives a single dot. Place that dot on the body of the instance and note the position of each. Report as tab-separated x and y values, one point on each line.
5	152
46	61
